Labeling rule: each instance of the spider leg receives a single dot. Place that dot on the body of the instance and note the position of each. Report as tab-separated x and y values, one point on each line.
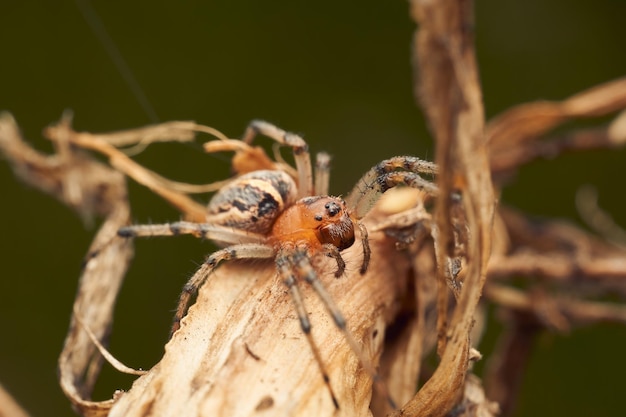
284	266
304	269
365	194
201	230
406	163
380	178
385	175
332	251
299	146
322	173
242	251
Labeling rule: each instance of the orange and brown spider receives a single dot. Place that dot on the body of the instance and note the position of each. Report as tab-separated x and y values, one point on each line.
263	214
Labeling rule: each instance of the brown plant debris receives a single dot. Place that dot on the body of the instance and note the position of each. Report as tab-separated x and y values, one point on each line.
239	351
91	189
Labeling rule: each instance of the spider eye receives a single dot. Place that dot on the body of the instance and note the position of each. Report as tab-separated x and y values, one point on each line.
332	208
319	217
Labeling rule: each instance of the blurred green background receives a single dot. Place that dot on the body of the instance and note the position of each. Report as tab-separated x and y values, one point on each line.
337	72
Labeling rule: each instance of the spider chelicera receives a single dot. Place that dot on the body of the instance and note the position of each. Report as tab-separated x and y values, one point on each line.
266	214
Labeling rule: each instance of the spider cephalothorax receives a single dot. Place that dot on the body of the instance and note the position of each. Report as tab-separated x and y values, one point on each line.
263	214
319	220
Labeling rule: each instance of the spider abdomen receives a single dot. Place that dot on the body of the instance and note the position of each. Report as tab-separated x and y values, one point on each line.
253	201
315	221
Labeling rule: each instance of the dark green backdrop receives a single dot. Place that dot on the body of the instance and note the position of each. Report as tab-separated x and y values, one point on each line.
336	71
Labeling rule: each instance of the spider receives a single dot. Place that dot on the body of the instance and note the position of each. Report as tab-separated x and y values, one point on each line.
265	214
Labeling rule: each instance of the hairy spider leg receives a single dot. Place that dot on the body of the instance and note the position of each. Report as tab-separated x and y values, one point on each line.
322	173
297	144
304	270
242	251
245	245
379	179
217	233
404	162
366	193
284	265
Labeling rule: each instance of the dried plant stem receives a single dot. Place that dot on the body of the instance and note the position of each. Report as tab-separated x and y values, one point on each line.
449	89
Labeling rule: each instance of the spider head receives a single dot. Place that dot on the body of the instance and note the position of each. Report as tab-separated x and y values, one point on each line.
315	220
333	223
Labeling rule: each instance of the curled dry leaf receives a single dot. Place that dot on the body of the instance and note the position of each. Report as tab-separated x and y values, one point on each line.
92	189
